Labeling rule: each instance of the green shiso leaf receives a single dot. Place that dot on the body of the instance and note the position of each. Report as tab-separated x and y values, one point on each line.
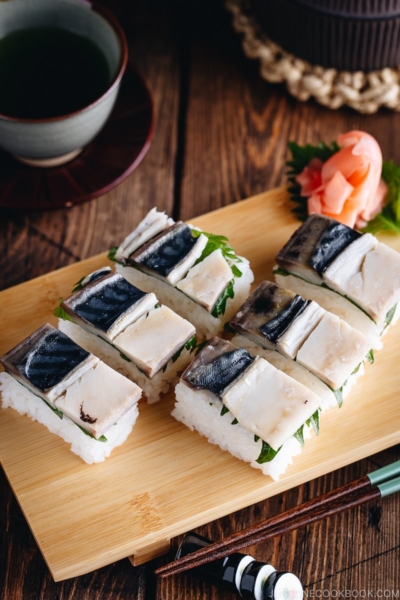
390	315
356	369
220	305
111	255
299	435
60	313
389	218
216	242
339	396
301	157
256	438
267	453
224	410
220	242
371	357
314	421
234	422
200	347
102	438
53	408
124	357
78	286
280	271
190	345
237	272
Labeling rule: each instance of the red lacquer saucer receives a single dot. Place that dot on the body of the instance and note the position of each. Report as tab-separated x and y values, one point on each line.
103	164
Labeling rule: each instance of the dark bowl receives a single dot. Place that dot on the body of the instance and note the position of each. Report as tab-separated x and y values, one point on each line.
351	35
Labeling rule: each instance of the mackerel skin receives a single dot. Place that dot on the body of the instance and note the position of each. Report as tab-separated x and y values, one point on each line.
268	314
333	241
47	362
104	302
163	253
217	366
314	247
295	255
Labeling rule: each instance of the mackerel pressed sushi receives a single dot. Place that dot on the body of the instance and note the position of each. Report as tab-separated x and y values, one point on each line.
69	390
277	319
196	274
129	330
354	266
247	406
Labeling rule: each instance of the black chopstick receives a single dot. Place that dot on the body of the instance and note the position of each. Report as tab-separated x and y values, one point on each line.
359	491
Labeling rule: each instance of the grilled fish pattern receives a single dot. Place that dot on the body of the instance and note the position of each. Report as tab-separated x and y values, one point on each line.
107	303
218	374
169	250
51	360
332	242
276	327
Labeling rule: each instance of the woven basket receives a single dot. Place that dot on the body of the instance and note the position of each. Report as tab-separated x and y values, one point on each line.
365	92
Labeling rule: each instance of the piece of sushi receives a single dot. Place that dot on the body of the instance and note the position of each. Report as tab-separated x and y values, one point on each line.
277	319
334	303
196	274
247	406
128	330
77	396
357	266
291	368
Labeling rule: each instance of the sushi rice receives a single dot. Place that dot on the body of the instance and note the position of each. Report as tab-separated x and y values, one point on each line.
16	396
200	410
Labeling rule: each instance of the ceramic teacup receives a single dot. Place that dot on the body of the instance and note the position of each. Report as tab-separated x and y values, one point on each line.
52	141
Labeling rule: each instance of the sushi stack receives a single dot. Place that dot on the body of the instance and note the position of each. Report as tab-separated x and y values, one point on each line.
246	405
276	319
338	292
196	274
73	393
129	330
350	274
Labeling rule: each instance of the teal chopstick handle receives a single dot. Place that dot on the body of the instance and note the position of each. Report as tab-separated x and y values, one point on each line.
385	473
389	487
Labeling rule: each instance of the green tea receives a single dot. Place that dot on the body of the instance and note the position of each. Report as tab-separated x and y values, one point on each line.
49	72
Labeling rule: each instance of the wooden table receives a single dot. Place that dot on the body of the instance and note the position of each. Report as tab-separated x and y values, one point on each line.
221	135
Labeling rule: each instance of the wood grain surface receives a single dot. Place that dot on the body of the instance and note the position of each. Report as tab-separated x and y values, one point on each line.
152	488
221	135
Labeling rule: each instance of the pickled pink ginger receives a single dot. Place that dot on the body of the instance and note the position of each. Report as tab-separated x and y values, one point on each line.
348	186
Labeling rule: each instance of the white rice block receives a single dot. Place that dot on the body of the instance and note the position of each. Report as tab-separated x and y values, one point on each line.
370	276
206	325
152	388
335	303
290	342
154	223
333	351
269	403
154	338
206	281
291	368
15	396
201	410
98	399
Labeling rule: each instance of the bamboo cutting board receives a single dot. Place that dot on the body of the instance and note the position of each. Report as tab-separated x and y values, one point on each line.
166	479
